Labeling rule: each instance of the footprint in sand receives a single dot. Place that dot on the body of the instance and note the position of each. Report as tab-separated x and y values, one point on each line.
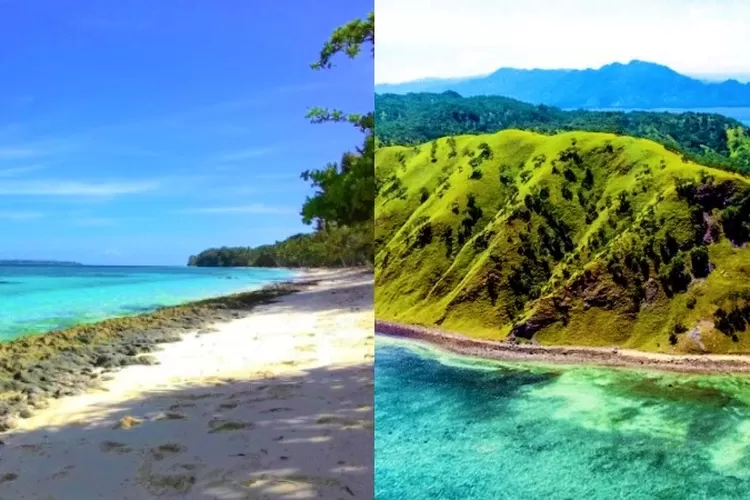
166	450
195	397
33	449
283	391
181	405
115	447
159	485
171	415
346	423
8	477
219	425
276	410
64	472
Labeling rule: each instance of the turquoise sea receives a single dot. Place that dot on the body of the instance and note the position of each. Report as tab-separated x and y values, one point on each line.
43	298
449	427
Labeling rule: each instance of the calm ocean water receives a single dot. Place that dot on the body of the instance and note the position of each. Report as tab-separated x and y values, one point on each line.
39	299
448	427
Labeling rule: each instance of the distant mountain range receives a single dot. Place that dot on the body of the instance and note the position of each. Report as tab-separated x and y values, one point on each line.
638	84
50	263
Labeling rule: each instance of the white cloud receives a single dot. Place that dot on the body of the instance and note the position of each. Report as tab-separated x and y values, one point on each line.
441	38
68	188
19	215
254	208
15	153
15	171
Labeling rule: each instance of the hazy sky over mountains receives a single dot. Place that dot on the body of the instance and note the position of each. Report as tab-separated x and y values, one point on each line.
442	38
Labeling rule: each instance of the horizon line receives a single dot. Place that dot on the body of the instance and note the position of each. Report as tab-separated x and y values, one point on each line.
717	77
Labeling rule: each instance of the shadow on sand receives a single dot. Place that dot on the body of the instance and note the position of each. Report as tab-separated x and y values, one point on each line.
307	435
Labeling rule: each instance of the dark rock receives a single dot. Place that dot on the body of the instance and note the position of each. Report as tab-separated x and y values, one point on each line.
7	423
25	412
651	290
129	350
548	311
718	195
110	360
145	360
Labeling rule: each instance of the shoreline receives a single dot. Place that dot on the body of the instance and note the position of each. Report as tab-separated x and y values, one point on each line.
275	402
599	356
43	366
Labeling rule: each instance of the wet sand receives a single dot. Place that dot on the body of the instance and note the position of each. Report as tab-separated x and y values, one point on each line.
507	351
277	404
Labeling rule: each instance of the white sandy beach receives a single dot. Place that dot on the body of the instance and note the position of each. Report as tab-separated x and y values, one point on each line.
275	405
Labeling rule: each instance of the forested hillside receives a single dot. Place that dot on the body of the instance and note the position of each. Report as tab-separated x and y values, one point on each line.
338	247
578	238
417	118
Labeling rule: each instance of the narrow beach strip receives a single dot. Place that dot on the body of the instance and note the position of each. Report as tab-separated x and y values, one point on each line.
614	357
35	368
274	403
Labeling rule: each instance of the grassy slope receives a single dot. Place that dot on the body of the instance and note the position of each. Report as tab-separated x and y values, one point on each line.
711	139
549	252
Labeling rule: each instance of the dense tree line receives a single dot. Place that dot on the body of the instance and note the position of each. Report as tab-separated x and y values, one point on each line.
334	247
419	118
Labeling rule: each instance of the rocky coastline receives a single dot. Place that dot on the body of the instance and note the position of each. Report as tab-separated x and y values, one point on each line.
35	368
613	357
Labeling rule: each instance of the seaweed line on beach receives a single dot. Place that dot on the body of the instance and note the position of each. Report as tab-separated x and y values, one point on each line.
35	368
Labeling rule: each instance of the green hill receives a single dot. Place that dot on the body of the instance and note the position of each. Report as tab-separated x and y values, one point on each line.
710	139
578	238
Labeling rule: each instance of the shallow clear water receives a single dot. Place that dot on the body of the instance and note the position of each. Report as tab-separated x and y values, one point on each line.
451	427
38	299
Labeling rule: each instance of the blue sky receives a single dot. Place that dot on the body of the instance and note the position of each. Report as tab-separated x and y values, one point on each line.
141	132
445	38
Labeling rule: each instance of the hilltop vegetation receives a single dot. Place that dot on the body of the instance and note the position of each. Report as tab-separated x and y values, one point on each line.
578	238
709	139
638	84
344	246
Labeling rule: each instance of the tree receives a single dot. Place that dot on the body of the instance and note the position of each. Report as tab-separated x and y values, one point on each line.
344	191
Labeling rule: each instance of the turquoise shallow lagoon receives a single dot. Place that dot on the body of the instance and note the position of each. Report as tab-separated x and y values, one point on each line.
39	299
448	427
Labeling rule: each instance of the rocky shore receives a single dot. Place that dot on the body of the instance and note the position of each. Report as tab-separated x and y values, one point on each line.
615	357
35	368
275	404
